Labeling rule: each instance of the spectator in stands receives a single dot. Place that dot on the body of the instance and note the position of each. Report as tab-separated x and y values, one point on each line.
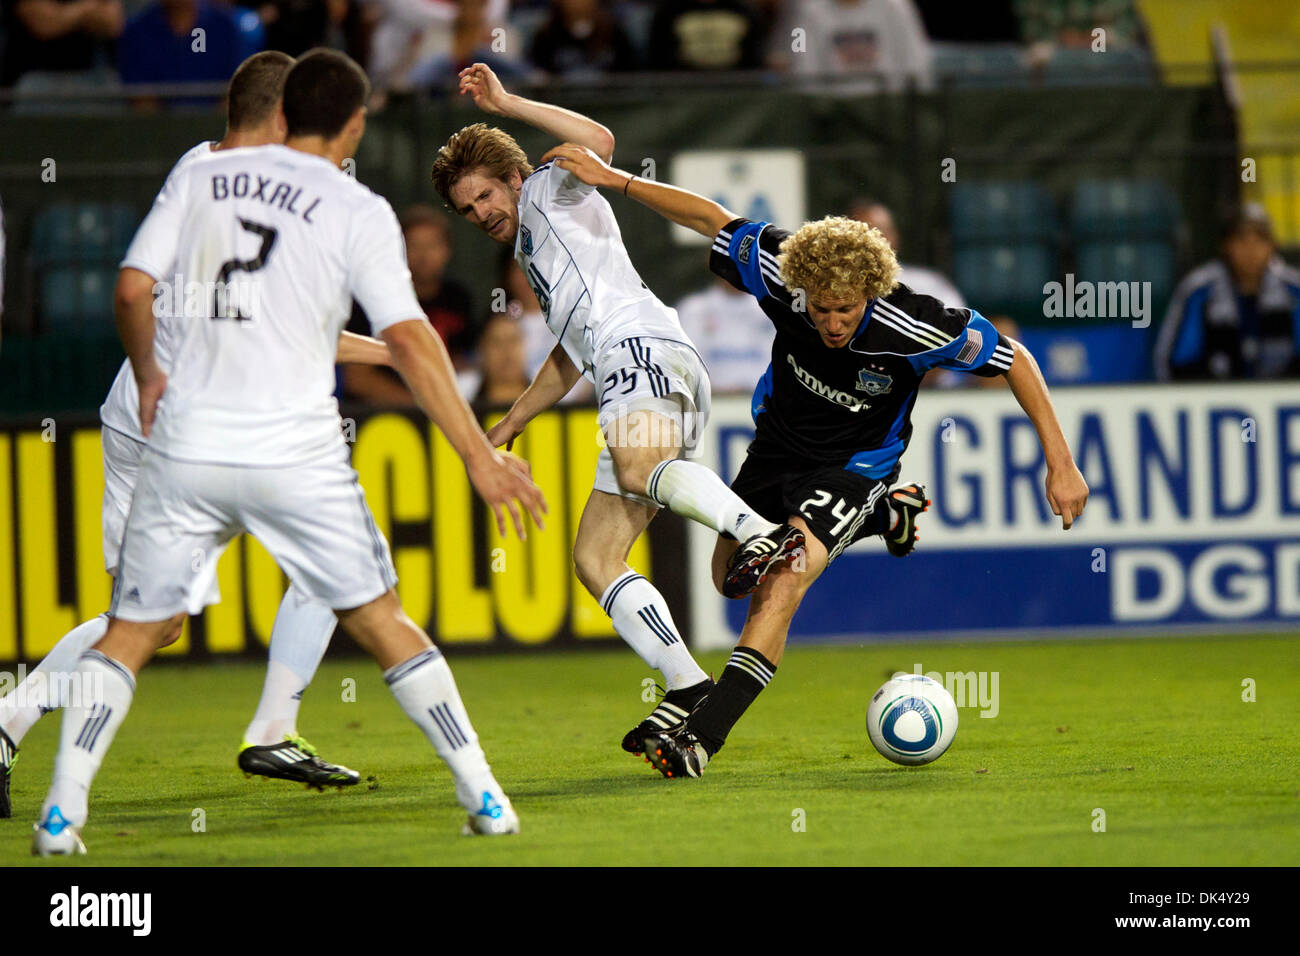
423	43
58	37
501	374
1237	316
707	35
581	38
848	37
160	45
732	335
1049	26
445	301
296	26
921	279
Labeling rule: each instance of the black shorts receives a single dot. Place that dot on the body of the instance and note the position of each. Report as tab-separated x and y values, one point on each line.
839	506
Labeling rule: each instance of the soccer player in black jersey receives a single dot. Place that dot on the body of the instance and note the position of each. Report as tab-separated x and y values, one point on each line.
832	413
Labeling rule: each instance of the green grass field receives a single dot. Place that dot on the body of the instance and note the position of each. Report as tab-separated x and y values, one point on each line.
1154	732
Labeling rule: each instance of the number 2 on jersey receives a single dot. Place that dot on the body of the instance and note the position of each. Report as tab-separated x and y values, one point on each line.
224	301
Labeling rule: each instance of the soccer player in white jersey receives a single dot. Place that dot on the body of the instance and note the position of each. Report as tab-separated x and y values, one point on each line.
272	746
247	435
652	388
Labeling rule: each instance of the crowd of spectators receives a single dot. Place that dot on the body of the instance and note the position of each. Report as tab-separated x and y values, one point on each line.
421	44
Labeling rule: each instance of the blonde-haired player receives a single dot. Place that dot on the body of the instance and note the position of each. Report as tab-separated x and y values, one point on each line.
832	413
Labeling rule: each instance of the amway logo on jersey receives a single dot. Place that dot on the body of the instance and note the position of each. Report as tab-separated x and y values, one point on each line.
816	386
74	909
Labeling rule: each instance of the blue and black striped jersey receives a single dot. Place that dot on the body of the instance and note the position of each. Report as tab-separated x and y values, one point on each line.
849	406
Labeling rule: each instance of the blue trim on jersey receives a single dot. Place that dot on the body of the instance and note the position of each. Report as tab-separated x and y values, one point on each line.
751	272
1191	335
762	392
862	322
946	357
877	463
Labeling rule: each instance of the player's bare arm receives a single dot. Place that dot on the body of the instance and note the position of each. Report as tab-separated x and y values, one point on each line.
133	309
357	349
490	96
1067	491
679	205
422	360
553	381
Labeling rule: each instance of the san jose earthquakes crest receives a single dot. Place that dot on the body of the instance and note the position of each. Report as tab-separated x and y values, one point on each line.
525	240
874	383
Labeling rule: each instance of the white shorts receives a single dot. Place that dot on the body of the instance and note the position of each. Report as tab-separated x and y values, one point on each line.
121	465
648	374
312	518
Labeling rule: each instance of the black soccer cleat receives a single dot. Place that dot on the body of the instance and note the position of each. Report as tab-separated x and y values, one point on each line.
295	760
754	558
8	757
908	501
670	715
676	755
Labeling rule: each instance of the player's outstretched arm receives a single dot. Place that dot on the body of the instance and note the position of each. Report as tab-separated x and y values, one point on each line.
421	358
553	381
361	350
679	205
133	310
490	96
1067	491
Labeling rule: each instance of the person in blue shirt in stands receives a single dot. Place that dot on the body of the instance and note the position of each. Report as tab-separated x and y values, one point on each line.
181	41
1237	316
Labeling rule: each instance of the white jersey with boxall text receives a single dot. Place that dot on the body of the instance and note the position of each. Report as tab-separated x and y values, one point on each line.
121	409
271	246
570	249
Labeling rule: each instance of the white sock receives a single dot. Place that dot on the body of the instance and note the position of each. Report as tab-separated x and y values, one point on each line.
39	693
427	692
689	489
89	726
641	617
301	633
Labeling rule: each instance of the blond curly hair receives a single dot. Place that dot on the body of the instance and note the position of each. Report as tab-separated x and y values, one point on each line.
838	259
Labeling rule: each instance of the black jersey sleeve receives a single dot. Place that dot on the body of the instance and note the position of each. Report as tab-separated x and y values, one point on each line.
957	339
744	253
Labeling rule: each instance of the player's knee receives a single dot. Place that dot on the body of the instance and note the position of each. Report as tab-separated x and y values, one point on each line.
590	567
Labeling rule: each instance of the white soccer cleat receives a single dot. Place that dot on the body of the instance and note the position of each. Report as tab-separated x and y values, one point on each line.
495	817
55	836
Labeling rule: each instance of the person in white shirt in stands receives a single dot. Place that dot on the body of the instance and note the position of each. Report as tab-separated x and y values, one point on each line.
249	437
918	278
732	334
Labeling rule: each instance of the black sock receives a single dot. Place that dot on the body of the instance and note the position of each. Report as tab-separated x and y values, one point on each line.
745	675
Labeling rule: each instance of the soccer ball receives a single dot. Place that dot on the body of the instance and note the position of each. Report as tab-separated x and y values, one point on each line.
912	719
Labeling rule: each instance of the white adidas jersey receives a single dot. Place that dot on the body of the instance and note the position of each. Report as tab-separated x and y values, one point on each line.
262	250
572	253
121	409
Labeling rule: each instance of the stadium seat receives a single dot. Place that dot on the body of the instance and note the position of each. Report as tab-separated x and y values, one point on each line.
1002	212
76	299
1005	277
967	65
1148	261
1128	209
88	232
